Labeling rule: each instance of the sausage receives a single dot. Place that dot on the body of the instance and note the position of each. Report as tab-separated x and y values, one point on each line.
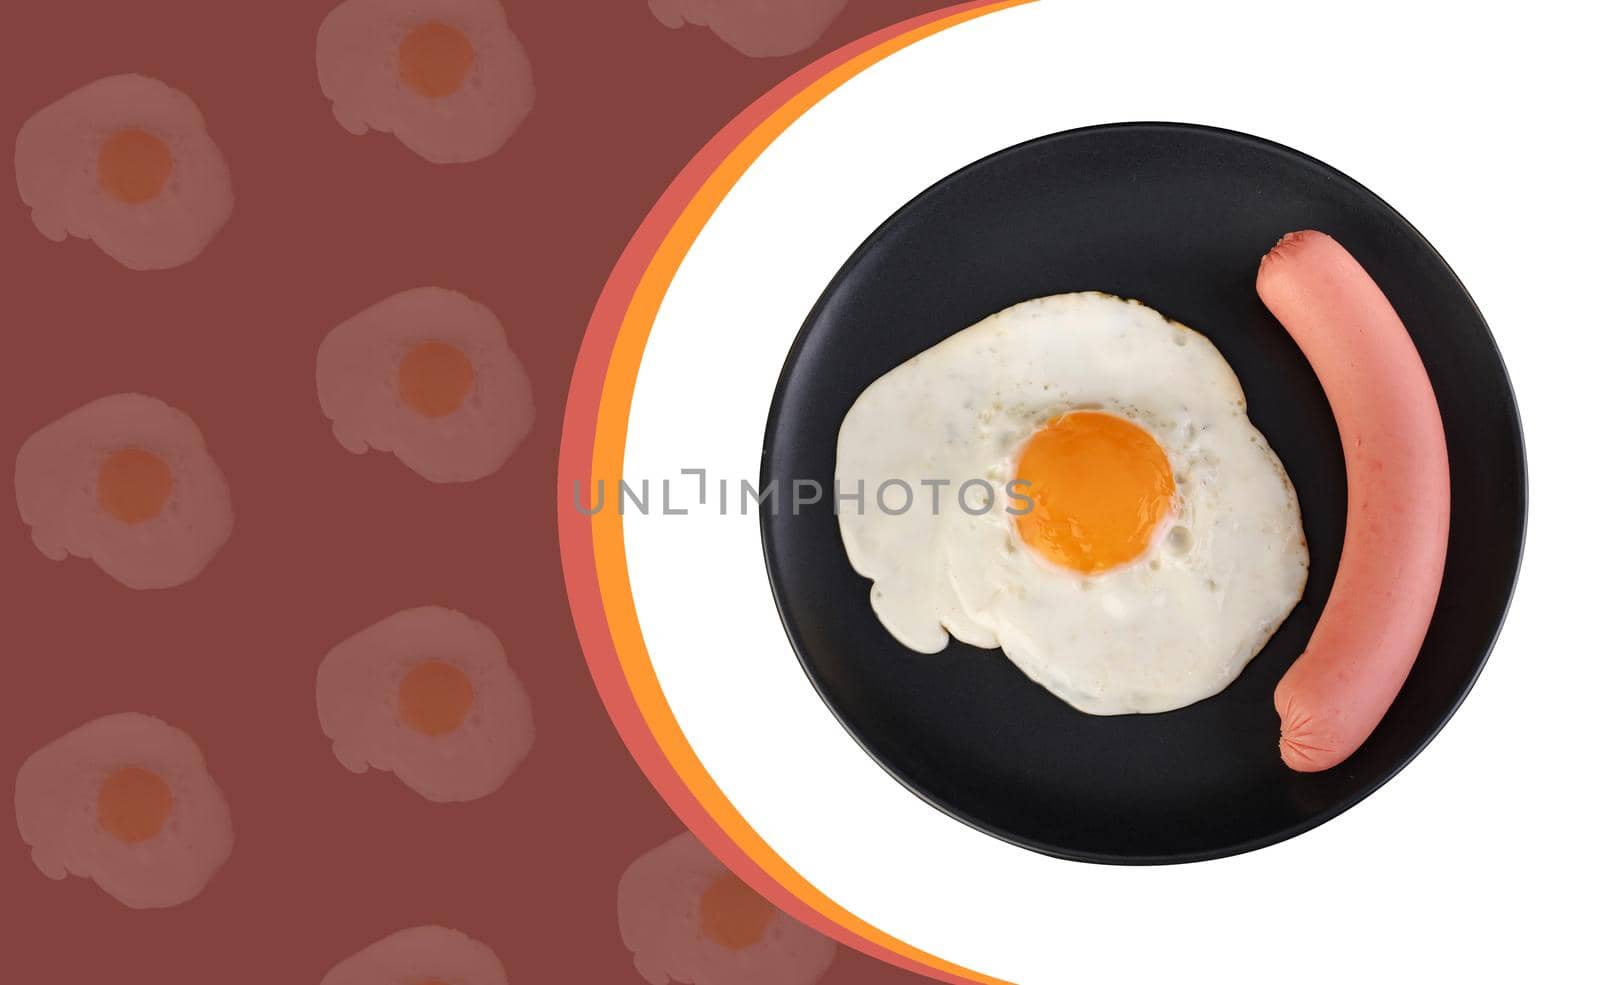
1399	499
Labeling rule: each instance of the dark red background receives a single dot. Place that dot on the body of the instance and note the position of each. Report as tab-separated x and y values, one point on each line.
327	542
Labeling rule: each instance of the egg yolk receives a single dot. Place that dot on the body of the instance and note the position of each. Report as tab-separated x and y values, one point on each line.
434	59
1100	486
435	697
435	378
134	165
733	914
134	804
134	485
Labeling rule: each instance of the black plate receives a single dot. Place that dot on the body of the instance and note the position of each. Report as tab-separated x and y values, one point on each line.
1177	216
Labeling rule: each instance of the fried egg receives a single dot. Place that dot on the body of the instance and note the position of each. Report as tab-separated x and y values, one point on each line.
758	28
428	695
127	802
126	162
686	918
125	481
1109	516
427	374
420	956
446	77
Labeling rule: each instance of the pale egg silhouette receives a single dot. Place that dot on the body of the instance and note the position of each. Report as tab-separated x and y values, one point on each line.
426	694
126	801
125	481
429	375
687	919
430	955
758	28
447	77
126	162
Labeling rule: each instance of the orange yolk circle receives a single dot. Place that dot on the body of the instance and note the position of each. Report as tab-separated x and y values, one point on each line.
434	59
134	804
134	165
1101	486
435	697
435	378
134	485
733	914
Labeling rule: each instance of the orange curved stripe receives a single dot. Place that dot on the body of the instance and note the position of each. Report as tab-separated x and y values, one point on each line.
574	469
610	433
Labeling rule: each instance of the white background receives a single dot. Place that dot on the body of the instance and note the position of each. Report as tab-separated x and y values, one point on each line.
1479	859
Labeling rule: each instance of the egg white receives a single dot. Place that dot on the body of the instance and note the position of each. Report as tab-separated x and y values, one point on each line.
1174	626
